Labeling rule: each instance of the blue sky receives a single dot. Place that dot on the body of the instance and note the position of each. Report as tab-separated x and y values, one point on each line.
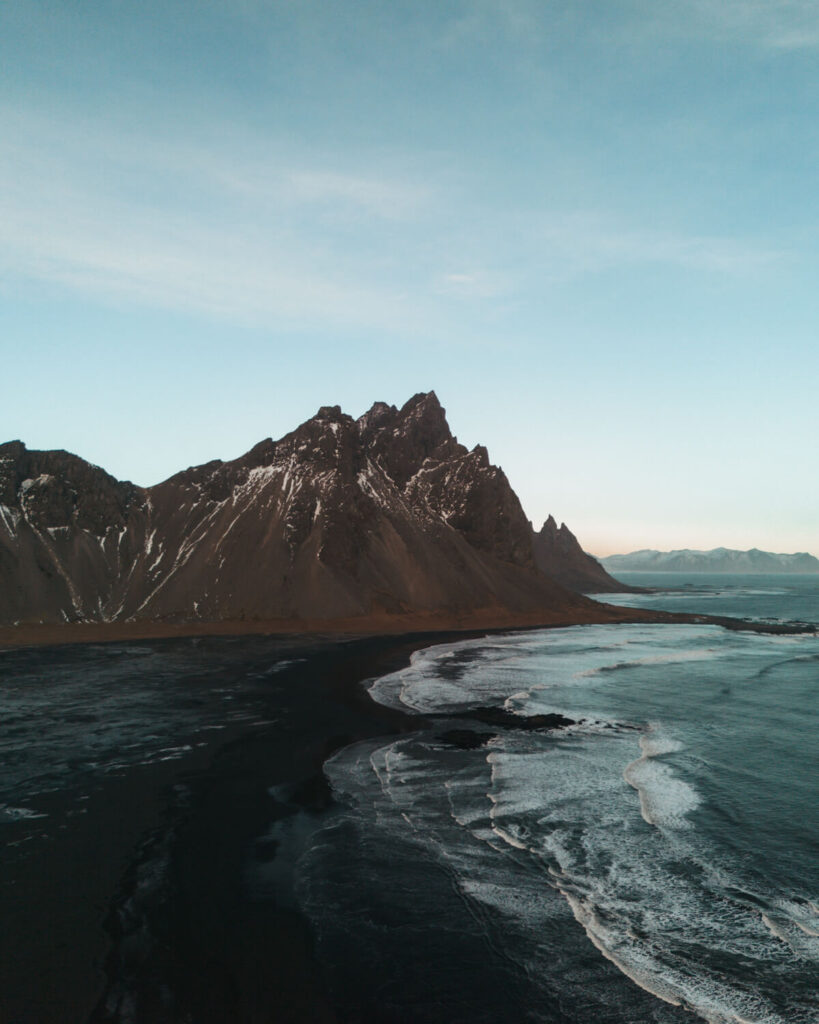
591	228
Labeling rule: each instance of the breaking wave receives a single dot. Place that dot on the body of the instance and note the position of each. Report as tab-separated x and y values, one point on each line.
665	799
686	908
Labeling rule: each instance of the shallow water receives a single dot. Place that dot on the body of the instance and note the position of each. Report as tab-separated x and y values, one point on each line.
74	715
657	858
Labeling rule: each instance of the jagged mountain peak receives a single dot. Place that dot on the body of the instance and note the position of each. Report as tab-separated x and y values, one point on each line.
331	413
375	416
338	518
423	403
58	489
551	528
425	417
401	440
12	449
559	554
481	456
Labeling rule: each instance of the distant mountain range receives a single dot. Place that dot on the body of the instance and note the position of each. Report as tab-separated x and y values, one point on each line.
720	560
342	518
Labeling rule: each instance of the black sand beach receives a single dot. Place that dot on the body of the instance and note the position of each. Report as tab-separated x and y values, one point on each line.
160	890
136	908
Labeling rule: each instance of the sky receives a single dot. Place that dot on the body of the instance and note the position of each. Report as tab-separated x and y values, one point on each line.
592	228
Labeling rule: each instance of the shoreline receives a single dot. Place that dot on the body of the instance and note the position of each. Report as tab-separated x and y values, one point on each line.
73	901
491	619
69	901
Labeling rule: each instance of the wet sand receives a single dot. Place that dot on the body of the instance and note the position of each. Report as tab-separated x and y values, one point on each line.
84	938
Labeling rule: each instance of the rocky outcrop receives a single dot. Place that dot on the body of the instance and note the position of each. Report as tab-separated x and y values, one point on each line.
67	531
559	555
340	518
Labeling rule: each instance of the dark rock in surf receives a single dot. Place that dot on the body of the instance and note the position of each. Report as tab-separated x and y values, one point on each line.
528	723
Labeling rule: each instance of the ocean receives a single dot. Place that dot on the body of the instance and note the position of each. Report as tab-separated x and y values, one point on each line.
655	861
652	861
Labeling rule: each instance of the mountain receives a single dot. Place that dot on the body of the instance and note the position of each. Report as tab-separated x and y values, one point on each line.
341	518
719	560
559	554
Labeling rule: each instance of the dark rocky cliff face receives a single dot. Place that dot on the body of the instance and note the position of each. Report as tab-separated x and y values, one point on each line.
339	518
558	554
67	532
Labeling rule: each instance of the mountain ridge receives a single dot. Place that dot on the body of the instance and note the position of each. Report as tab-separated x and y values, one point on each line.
716	560
341	518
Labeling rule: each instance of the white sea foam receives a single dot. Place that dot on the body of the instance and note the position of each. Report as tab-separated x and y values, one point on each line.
804	915
620	892
515	704
649	899
453	677
651	659
11	814
711	998
603	940
797	926
466	813
665	799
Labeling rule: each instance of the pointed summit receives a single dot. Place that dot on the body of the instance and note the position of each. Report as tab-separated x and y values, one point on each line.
401	440
559	554
423	400
425	418
332	413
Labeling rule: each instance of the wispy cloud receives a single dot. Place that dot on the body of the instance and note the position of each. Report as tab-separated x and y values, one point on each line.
783	24
776	24
187	228
473	284
584	242
514	20
252	233
388	199
112	256
281	182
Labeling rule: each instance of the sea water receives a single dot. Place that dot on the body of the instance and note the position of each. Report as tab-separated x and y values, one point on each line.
655	860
